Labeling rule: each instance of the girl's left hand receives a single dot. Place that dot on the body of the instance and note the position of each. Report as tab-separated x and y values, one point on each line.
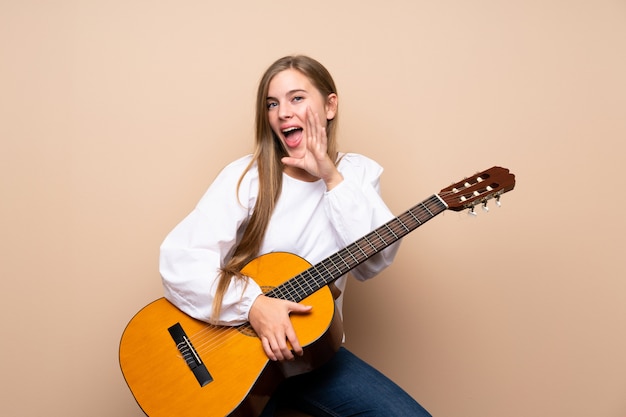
315	160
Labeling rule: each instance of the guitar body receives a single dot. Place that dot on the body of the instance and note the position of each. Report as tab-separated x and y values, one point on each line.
242	378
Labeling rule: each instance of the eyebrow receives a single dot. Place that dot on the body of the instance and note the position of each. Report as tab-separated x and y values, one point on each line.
290	92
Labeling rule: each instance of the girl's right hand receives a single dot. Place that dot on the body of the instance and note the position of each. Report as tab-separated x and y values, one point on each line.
270	319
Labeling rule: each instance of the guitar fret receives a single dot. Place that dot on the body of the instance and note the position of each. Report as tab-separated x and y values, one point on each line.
291	290
338	255
403	225
308	284
276	293
416	219
360	249
301	290
324	265
309	279
318	275
332	268
412	219
370	243
335	265
394	235
401	231
429	212
380	237
351	254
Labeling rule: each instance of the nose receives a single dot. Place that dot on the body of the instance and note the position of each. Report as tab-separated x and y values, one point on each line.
285	111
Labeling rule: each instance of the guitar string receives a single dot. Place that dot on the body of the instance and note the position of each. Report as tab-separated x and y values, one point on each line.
202	340
390	234
290	293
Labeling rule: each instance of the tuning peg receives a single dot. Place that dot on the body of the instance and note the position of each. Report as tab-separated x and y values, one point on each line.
471	212
498	203
485	208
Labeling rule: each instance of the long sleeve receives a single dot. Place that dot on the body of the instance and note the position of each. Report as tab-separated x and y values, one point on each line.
194	251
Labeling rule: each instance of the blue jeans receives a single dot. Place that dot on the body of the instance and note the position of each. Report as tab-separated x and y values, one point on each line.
344	387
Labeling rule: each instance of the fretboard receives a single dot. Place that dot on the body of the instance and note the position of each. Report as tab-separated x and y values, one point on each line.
328	270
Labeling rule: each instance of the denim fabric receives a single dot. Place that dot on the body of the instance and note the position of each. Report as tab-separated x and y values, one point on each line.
345	387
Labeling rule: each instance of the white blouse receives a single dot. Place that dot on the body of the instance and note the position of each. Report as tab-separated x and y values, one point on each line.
308	221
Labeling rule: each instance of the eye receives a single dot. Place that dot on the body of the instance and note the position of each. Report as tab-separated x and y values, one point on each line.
297	98
271	105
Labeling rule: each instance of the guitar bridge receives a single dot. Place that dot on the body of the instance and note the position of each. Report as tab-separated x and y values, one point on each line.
190	355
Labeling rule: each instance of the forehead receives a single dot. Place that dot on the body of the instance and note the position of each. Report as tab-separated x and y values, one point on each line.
287	81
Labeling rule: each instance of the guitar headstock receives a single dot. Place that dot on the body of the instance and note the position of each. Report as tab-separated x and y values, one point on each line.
478	189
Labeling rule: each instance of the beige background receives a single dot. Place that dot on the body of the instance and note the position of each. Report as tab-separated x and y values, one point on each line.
116	115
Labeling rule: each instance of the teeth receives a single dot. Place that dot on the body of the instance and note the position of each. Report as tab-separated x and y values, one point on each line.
291	129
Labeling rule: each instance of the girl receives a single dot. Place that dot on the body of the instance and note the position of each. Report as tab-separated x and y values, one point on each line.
295	194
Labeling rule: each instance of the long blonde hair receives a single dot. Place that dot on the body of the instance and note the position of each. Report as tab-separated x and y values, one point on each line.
267	156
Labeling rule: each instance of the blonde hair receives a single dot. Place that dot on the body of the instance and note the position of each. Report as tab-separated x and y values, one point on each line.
267	156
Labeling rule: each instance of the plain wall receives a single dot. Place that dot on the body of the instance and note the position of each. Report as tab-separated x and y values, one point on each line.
116	115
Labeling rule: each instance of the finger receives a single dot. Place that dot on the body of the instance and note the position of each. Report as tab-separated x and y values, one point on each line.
281	349
299	308
318	138
286	352
294	162
278	348
312	127
295	343
268	349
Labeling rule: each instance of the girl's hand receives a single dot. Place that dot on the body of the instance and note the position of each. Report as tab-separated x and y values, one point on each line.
315	159
270	319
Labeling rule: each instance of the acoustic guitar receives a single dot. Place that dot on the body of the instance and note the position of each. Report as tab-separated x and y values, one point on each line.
177	366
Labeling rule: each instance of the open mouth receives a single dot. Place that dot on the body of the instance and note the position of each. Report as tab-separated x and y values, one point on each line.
292	136
291	131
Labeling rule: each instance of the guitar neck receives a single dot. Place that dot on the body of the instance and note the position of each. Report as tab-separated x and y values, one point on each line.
340	263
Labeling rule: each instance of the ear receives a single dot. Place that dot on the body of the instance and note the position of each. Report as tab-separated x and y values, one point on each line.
332	103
